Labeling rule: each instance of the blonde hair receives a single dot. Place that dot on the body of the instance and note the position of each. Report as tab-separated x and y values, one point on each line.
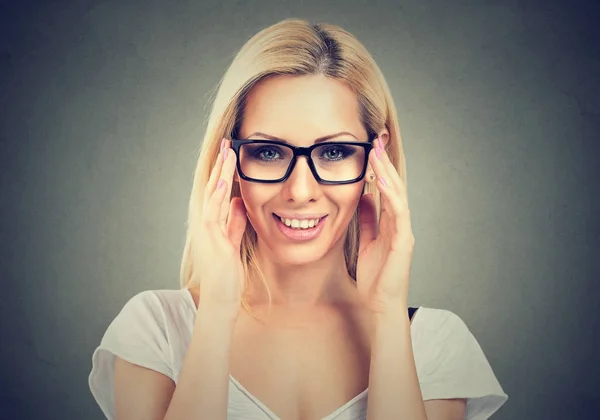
291	47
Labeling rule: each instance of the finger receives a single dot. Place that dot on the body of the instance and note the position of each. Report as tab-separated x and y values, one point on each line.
398	212
387	176
212	209
393	177
381	179
393	195
227	175
397	181
236	224
367	220
390	199
215	174
378	167
211	231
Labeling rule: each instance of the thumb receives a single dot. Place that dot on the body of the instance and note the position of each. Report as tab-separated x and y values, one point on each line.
367	220
236	224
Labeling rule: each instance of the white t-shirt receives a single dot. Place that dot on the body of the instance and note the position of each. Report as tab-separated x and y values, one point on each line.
154	329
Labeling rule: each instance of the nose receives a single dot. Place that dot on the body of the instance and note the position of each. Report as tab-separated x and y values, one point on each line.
301	186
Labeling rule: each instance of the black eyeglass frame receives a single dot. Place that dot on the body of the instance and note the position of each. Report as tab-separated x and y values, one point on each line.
302	151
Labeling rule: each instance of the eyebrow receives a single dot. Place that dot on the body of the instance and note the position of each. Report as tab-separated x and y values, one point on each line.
318	140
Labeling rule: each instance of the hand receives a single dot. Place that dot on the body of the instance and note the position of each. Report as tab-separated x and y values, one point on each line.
220	272
385	252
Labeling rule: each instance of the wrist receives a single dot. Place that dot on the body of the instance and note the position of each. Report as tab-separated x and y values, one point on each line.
209	313
394	318
388	308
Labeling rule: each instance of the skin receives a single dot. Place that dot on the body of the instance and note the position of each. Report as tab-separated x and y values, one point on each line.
299	110
323	327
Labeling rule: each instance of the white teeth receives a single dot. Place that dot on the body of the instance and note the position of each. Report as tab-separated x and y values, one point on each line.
300	224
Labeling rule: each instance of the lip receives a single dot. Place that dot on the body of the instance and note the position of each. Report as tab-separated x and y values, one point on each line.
300	235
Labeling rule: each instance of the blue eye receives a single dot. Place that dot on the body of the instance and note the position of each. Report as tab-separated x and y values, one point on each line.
266	153
336	152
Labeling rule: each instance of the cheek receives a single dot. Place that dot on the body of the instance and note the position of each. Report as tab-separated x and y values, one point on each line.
256	195
346	198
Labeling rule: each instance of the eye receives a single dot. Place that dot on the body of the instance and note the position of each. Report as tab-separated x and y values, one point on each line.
266	153
336	152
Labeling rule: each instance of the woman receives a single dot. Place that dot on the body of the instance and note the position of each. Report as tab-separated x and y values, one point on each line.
295	272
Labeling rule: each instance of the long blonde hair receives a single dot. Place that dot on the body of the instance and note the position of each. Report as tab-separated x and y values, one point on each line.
290	47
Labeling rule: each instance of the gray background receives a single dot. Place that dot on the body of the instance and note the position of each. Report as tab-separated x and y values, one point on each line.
102	109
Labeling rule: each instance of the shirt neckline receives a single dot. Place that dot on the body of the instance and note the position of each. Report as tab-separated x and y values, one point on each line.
348	405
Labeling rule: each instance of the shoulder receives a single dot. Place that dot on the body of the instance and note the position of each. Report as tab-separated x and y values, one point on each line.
451	363
156	300
442	337
148	323
437	325
142	333
437	318
155	306
144	318
433	330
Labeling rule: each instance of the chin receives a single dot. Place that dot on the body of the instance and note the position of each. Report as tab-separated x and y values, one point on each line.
297	255
285	252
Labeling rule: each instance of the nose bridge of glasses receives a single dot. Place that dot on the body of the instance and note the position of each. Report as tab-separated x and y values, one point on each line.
306	162
301	152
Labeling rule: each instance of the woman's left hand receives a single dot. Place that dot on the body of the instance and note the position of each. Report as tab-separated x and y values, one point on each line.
386	251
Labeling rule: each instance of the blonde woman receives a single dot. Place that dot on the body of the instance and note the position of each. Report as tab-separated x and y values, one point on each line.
294	280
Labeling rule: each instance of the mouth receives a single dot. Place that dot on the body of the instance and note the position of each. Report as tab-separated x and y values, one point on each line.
300	229
301	224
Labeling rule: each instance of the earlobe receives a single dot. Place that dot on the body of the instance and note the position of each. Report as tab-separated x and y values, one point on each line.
370	175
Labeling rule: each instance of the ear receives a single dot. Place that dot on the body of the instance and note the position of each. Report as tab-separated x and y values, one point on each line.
384	137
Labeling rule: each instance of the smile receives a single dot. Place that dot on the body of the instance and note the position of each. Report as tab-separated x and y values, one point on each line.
300	224
300	229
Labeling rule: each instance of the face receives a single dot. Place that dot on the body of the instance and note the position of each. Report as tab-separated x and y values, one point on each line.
299	110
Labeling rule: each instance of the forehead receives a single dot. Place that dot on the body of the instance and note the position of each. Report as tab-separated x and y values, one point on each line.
302	108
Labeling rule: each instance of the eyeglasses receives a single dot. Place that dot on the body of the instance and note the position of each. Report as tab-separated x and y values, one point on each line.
331	163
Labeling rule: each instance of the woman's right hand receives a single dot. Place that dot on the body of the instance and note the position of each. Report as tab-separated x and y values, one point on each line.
219	270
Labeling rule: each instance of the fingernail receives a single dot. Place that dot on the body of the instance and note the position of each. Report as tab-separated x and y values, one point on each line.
225	153
220	184
378	151
222	145
385	184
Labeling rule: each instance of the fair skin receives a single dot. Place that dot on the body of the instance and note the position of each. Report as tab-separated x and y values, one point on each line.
326	338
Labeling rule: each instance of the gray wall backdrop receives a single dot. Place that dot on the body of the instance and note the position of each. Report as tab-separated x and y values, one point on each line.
102	109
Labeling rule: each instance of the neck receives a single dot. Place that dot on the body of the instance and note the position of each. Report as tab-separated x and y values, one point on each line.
303	286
